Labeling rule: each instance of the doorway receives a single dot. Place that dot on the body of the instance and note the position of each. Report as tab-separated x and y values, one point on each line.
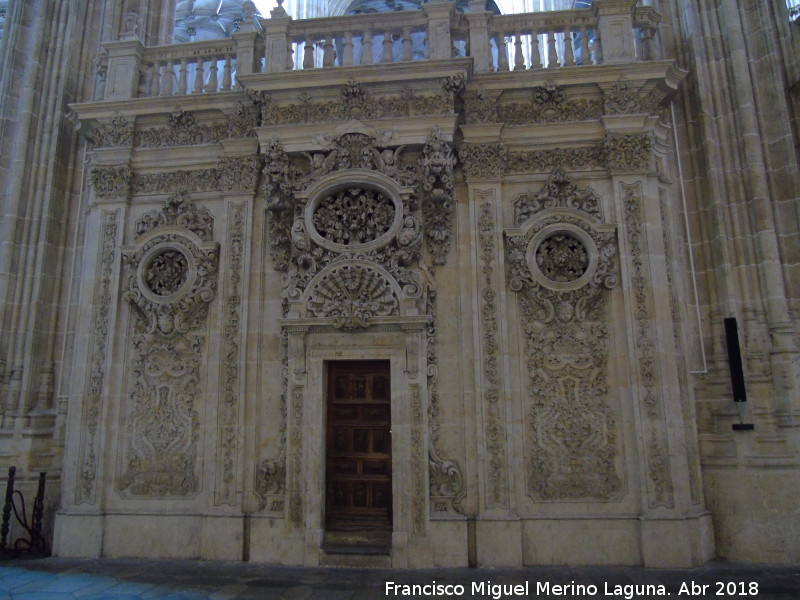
358	465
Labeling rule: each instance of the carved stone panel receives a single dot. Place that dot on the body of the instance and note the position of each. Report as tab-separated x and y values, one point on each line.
561	261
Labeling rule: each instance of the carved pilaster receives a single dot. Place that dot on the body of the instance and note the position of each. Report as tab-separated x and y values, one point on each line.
659	479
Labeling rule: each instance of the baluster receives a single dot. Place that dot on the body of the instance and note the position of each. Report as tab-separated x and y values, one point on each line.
519	59
144	81
327	52
347	49
502	53
212	85
648	35
182	74
386	50
167	88
308	53
290	57
199	76
552	54
366	47
536	57
226	74
598	48
569	54
155	80
407	44
586	58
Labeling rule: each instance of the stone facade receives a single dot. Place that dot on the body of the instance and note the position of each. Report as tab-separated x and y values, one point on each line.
542	242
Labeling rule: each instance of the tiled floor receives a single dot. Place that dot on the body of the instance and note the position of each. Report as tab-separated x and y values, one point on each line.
133	579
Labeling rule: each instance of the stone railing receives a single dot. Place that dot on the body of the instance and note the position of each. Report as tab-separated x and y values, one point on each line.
612	31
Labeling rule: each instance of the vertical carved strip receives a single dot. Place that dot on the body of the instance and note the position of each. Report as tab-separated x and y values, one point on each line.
497	492
85	490
296	493
658	471
417	462
691	448
228	412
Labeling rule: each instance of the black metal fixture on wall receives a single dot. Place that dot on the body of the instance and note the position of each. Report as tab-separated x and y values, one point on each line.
737	374
31	543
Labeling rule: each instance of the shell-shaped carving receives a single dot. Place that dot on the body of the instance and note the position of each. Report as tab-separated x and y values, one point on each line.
351	295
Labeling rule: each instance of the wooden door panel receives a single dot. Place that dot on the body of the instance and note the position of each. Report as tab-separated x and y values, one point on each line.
359	461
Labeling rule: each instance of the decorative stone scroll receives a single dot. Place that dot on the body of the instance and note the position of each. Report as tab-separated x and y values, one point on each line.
111	182
437	185
183	130
116	134
550	104
483	161
624	98
561	261
170	278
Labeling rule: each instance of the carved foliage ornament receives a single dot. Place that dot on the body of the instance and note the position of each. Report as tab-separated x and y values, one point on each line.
615	152
483	161
437	186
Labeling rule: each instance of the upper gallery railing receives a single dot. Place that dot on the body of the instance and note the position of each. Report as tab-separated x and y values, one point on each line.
612	31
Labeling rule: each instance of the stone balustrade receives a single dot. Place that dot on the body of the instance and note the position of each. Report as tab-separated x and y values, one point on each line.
611	32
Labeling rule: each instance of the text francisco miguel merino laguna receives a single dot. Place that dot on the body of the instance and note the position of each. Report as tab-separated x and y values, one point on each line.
541	588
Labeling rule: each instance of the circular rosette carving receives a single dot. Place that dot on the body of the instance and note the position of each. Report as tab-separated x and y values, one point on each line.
561	257
166	272
351	295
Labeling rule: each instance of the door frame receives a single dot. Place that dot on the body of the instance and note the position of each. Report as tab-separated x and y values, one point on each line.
310	348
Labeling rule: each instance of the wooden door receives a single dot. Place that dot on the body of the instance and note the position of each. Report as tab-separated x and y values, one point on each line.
358	479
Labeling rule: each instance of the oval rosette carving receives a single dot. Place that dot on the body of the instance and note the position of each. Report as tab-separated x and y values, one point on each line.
355	216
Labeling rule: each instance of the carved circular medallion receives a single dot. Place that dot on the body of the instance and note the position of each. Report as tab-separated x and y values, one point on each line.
354	217
166	272
561	257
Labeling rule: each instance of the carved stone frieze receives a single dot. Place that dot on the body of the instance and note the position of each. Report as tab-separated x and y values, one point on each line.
111	182
624	98
239	173
183	129
196	180
437	185
549	104
658	469
561	261
623	152
117	134
87	472
356	103
480	106
543	161
627	152
483	161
